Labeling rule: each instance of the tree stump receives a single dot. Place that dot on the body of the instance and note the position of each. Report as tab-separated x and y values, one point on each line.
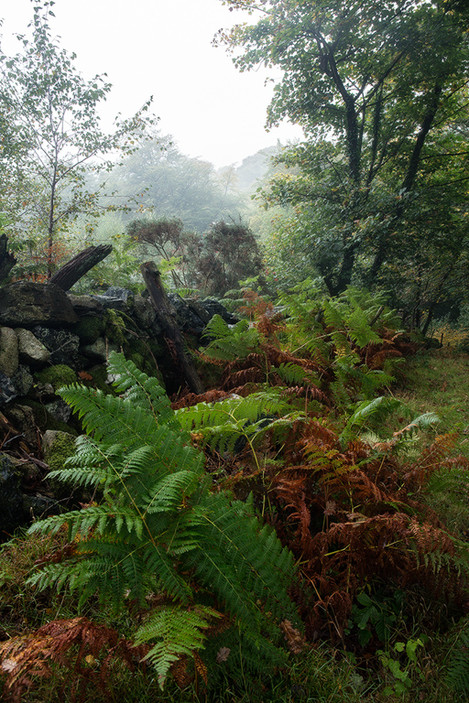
166	319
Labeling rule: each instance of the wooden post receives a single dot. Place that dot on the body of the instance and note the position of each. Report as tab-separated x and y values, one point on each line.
74	269
166	319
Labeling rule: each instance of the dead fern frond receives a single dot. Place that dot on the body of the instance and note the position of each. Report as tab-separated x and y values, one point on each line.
430	461
191	399
85	650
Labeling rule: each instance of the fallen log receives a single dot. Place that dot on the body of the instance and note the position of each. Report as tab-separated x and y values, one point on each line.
76	268
166	318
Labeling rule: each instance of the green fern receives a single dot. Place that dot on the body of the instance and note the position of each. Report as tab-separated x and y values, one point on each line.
221	425
376	410
229	343
174	627
158	528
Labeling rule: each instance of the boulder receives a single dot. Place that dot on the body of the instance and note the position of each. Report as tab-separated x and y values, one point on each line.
118	293
8	351
144	314
22	380
25	304
62	345
57	447
59	410
98	350
30	349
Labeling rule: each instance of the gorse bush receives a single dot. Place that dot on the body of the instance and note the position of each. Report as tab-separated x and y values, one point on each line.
159	529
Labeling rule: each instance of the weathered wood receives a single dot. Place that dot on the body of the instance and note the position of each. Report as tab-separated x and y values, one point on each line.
7	260
167	321
74	269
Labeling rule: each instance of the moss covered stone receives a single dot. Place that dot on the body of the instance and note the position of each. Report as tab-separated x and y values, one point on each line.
90	328
58	375
58	447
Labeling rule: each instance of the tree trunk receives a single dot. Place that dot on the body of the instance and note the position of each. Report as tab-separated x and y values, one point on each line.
7	260
72	271
166	320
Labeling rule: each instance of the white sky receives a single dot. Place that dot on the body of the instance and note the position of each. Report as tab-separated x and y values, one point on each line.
163	48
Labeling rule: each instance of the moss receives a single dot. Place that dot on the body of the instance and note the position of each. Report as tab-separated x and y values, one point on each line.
115	327
89	329
58	375
62	447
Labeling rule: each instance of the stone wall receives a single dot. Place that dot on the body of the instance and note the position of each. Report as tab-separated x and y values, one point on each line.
49	338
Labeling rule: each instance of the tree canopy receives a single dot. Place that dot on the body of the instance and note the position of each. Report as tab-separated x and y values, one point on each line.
380	89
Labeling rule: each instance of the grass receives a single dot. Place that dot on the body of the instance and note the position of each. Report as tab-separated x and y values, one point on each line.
438	381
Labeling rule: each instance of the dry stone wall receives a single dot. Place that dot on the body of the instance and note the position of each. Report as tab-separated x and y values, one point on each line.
49	338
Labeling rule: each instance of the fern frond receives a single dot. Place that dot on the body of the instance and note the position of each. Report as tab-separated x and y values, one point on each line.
140	388
380	406
230	342
159	528
179	631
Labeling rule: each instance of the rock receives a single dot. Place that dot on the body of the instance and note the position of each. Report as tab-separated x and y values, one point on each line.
58	447
118	293
98	350
111	303
62	345
89	328
59	410
22	417
59	440
25	304
11	498
8	351
30	349
214	307
85	305
193	315
144	313
8	390
22	380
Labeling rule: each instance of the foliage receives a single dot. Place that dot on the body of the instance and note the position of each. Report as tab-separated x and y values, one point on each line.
229	254
33	657
379	186
160	530
402	677
174	247
213	262
458	669
161	183
337	496
52	113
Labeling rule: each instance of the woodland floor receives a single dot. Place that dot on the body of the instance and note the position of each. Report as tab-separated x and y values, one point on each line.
436	381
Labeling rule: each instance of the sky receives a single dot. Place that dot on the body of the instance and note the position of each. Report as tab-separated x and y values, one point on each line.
164	48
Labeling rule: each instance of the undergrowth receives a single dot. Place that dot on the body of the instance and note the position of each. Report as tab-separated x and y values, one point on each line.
304	511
